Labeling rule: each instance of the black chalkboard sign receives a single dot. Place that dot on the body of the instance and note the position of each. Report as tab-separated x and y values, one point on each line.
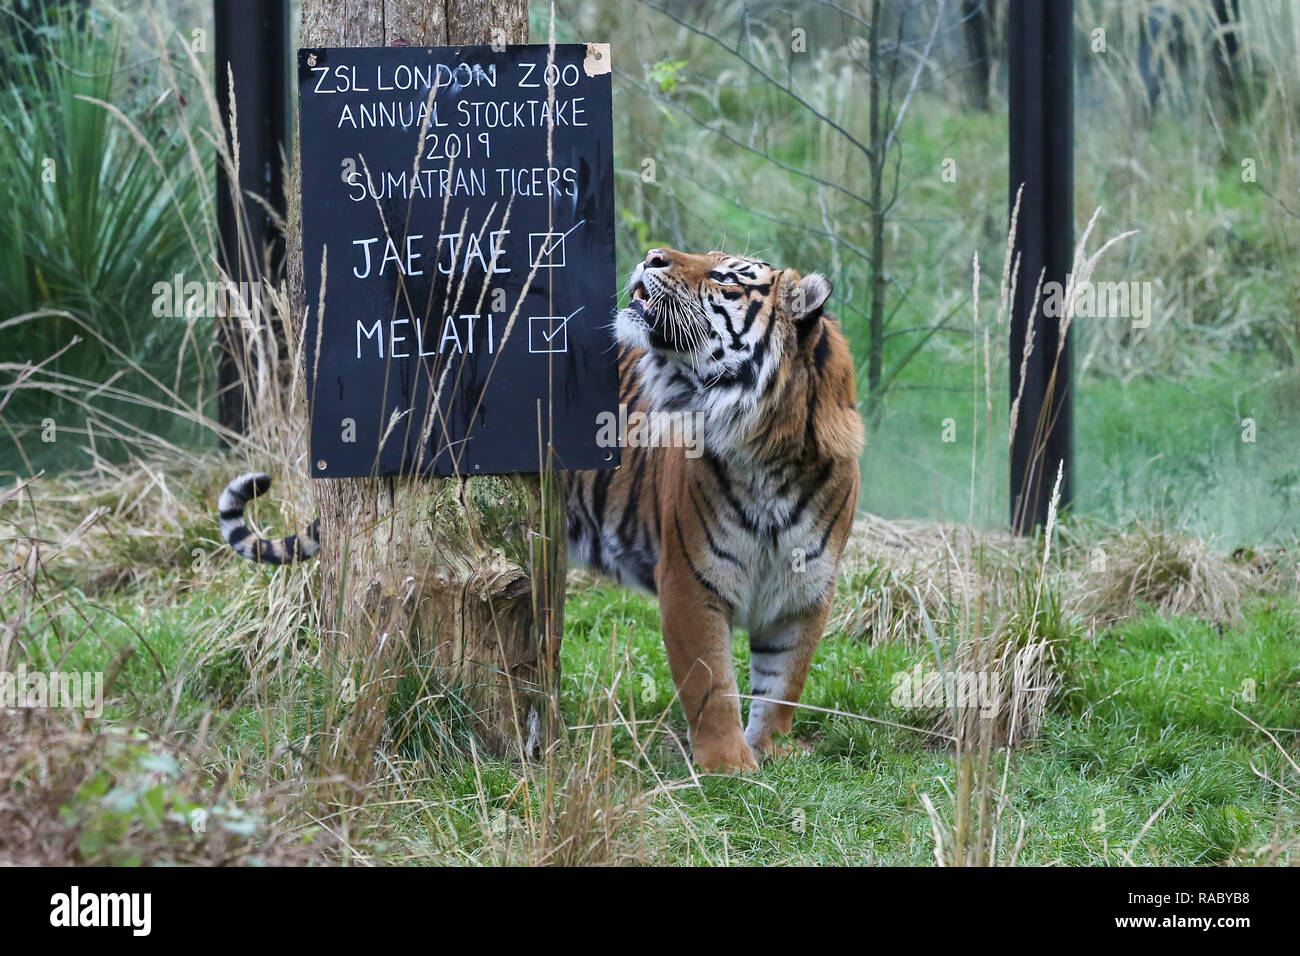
458	208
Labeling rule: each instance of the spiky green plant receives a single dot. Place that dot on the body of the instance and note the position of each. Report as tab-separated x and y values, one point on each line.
100	201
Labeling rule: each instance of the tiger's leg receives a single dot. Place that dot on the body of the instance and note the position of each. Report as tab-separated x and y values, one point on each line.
697	635
780	656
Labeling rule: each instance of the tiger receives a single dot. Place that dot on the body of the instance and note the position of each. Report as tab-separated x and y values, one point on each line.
747	531
744	528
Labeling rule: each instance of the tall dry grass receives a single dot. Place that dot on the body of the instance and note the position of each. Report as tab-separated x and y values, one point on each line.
1006	623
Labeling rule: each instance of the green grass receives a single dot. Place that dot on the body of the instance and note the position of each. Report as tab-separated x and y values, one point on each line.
1145	718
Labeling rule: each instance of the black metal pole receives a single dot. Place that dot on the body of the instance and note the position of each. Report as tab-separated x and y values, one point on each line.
251	42
1041	126
973	17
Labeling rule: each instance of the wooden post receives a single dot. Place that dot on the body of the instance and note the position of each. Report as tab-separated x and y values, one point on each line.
470	571
1042	160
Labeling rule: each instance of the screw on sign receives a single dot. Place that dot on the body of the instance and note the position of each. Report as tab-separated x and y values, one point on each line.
458	210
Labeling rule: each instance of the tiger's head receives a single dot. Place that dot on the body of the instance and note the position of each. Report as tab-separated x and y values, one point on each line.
736	337
716	314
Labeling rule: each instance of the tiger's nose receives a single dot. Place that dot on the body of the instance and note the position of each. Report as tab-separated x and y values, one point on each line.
656	259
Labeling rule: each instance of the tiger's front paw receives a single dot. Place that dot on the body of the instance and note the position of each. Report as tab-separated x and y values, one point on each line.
728	755
777	747
760	745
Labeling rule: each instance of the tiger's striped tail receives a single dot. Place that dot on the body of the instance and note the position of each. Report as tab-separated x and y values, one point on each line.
296	547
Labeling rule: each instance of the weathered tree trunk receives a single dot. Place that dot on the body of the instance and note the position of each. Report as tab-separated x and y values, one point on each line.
468	574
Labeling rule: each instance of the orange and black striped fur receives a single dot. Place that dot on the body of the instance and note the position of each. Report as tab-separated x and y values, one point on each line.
749	532
745	530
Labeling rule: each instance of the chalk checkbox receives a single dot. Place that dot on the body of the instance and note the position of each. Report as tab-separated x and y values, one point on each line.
548	333
546	249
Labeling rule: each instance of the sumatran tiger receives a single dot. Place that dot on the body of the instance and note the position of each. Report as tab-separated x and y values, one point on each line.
748	531
742	529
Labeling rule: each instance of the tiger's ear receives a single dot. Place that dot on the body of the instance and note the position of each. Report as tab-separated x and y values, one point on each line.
808	296
805	300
